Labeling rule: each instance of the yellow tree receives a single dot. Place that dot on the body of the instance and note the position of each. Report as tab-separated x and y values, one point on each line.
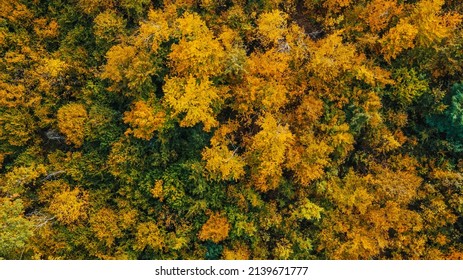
15	11
70	206
379	13
268	152
371	218
135	60
216	228
308	158
149	235
195	98
272	27
126	66
71	122
105	225
144	120
16	229
398	38
194	60
109	26
221	162
197	53
433	25
16	127
238	251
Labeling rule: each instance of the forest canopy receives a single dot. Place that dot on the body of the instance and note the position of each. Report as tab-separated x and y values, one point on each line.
231	129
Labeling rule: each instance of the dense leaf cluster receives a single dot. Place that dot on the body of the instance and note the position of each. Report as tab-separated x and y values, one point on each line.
231	129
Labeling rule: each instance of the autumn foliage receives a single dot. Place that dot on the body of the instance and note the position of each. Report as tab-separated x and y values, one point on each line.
232	129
